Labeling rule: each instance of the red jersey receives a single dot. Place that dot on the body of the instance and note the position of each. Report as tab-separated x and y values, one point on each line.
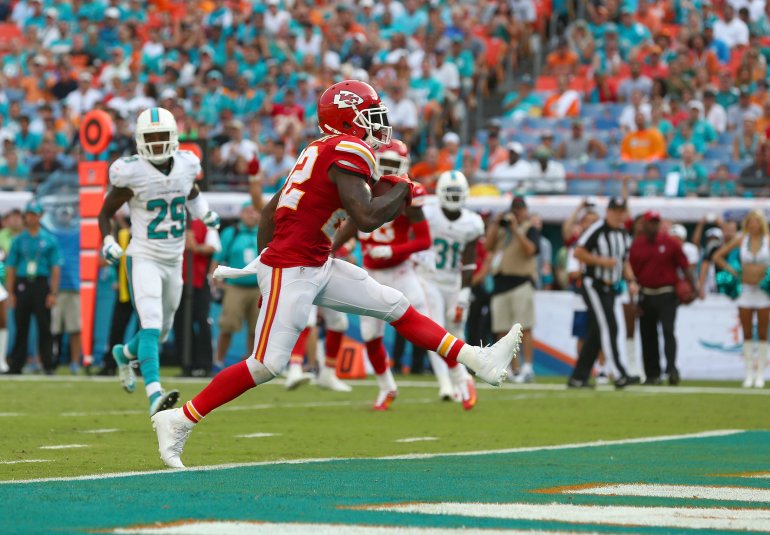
391	233
309	209
655	263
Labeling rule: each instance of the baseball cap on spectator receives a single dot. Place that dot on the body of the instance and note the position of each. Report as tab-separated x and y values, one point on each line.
547	134
526	80
616	203
272	2
112	13
51	12
695	104
651	215
235	123
678	231
214	75
515	146
714	233
85	76
168	93
40	60
709	93
744	90
451	137
542	153
206	49
518	202
33	207
366	3
626	10
610	27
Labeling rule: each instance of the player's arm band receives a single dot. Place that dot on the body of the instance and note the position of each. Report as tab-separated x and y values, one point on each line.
198	206
468	267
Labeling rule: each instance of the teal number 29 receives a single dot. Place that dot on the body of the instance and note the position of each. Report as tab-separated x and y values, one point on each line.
177	216
443	250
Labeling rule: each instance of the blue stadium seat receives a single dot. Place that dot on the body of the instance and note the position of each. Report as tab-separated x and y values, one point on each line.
666	166
613	187
572	168
584	187
721	153
597	169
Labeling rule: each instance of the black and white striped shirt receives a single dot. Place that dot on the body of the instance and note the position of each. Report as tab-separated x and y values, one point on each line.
603	240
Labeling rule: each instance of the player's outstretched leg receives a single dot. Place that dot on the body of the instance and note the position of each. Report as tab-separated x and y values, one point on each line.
149	364
327	374
296	376
378	356
489	363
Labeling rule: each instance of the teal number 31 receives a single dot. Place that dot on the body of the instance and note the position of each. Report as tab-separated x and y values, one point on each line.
446	253
177	218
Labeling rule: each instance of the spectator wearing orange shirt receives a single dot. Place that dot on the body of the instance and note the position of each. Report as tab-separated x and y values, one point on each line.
562	60
645	145
34	85
449	155
427	170
564	103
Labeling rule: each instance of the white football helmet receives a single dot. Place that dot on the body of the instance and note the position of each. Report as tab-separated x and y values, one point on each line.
152	121
452	190
393	158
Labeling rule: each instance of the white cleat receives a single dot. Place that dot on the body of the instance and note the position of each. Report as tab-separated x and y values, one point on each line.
445	390
526	375
388	390
126	373
759	382
295	377
327	379
173	428
165	401
491	363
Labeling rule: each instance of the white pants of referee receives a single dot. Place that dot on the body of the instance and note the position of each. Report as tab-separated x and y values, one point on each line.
602	329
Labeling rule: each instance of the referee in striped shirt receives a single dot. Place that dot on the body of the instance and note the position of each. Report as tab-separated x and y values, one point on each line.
603	250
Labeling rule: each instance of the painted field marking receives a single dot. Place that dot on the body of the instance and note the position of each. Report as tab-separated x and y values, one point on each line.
64	447
304	405
679	390
99	431
415	439
404	457
27	461
258	435
670	517
735	494
9	414
204	527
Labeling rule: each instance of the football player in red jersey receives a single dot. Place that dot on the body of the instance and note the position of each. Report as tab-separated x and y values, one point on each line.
329	182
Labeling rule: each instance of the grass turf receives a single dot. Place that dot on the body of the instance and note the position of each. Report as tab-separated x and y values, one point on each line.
311	423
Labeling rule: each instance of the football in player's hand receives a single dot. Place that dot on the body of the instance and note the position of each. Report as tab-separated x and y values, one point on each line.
684	291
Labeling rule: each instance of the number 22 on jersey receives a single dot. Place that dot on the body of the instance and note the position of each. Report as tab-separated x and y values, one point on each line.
291	195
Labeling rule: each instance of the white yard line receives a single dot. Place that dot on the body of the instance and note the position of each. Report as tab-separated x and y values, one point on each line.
206	527
99	431
410	456
64	447
735	494
429	383
258	435
613	515
20	461
9	414
416	439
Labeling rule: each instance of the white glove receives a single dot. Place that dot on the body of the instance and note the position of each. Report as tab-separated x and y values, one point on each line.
459	312
211	219
381	251
111	251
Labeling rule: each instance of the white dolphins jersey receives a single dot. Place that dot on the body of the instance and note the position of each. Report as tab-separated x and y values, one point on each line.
449	241
158	213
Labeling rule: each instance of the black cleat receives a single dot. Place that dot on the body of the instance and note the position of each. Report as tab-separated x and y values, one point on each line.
622	382
577	383
673	377
653	381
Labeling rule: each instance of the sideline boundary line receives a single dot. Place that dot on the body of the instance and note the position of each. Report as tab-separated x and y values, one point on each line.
405	457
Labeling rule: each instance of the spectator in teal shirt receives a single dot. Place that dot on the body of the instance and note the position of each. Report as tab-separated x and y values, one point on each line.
425	88
683	135
215	99
693	177
464	60
25	140
721	184
412	19
519	104
33	274
631	33
239	248
701	128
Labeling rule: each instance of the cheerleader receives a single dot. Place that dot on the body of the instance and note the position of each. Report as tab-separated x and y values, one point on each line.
754	244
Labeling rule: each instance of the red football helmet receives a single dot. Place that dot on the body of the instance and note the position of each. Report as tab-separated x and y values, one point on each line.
353	107
393	158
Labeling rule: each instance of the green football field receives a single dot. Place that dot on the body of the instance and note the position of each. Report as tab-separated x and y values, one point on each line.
79	456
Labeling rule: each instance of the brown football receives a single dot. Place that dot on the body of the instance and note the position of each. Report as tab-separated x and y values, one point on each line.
684	291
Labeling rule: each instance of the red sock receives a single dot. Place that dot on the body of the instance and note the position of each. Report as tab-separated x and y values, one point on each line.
225	387
300	348
426	333
332	347
377	355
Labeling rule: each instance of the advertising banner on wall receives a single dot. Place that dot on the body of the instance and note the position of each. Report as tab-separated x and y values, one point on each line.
708	334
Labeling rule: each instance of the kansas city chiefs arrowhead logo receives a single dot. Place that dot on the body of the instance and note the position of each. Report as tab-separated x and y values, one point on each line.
347	99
